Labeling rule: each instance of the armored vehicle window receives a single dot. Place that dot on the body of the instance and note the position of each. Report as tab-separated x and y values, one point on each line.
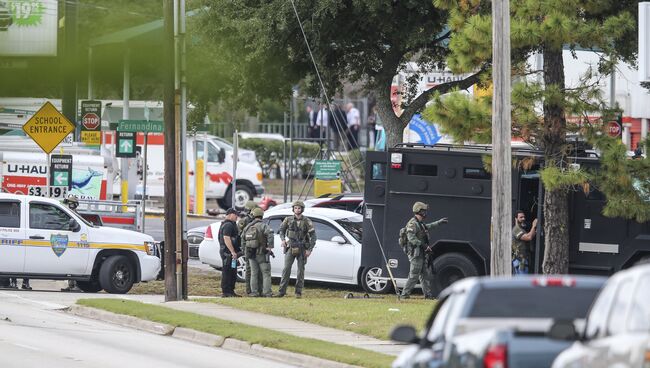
476	173
378	171
47	217
423	170
10	214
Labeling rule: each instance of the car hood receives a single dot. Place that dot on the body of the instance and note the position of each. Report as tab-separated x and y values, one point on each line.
115	235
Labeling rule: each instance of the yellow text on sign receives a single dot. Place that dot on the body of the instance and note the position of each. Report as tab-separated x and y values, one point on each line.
91	137
48	127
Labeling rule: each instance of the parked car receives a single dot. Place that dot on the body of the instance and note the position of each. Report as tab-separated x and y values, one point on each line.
460	331
336	257
345	201
617	331
194	239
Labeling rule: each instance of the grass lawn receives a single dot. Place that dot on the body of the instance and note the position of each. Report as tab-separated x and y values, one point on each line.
371	317
276	187
255	335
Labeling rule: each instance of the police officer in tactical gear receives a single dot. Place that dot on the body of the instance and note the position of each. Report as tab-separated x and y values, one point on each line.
417	232
257	238
298	239
246	219
230	250
521	243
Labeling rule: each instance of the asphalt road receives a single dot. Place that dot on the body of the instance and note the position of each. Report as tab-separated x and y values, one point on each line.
34	332
155	226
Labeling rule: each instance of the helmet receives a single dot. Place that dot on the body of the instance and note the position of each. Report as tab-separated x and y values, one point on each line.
298	204
257	212
250	205
419	206
71	202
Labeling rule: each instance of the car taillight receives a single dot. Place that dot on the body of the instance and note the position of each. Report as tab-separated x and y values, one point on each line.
496	357
208	233
554	281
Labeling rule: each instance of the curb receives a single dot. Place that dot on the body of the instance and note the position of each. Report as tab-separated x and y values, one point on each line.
203	338
122	320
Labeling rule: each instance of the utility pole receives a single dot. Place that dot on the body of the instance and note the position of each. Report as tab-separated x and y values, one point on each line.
501	256
171	170
70	70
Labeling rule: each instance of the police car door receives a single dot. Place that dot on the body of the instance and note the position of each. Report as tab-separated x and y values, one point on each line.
54	247
12	235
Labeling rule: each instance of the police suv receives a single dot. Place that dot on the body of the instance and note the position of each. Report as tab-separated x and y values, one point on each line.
42	239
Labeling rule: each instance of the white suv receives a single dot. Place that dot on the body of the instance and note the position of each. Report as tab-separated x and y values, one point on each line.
42	239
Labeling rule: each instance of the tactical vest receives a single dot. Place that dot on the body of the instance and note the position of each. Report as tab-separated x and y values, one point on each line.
253	235
297	230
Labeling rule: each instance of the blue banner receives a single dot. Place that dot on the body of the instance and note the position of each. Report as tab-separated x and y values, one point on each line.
426	131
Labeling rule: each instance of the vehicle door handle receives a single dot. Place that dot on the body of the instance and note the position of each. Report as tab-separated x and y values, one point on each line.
37	237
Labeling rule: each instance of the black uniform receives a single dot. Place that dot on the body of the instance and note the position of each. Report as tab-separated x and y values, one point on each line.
228	273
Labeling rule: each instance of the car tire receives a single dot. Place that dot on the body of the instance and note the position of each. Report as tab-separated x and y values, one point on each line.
241	269
117	275
244	194
371	284
451	267
91	286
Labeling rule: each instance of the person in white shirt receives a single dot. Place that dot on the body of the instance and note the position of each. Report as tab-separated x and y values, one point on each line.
354	124
322	121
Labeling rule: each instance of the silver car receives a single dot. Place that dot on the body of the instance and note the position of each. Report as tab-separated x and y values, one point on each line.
617	332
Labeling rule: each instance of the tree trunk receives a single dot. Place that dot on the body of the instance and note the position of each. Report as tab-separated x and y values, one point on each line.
393	125
556	205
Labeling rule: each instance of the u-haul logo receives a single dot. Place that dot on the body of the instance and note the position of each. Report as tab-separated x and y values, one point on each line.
27	169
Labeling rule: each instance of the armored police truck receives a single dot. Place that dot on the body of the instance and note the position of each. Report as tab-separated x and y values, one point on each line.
453	182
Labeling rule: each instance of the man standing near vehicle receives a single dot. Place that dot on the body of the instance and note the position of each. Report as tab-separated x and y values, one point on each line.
258	242
298	239
241	224
521	243
354	124
72	203
417	234
230	250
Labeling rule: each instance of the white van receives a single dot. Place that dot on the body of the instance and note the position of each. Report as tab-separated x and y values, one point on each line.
218	156
42	239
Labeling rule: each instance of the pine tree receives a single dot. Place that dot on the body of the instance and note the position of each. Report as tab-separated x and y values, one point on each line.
541	101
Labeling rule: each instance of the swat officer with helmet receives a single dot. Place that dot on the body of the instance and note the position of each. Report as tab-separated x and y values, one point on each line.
417	233
258	242
246	219
298	239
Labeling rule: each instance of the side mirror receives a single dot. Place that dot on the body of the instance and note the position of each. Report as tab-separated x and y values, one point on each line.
338	239
563	330
74	225
405	334
222	155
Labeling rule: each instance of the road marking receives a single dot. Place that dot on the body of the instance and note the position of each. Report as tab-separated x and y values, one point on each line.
45	304
26	346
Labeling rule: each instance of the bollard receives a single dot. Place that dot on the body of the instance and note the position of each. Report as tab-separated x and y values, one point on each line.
199	197
125	194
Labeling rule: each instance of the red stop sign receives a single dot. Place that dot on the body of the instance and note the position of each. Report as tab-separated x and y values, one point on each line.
613	129
90	121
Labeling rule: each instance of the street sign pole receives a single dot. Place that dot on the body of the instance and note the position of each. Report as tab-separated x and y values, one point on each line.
235	158
144	180
47	177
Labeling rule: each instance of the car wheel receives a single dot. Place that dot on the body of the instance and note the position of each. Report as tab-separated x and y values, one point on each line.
241	269
243	194
91	286
374	281
116	275
451	267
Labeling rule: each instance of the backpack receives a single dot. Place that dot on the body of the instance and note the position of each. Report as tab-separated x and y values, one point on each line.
252	235
403	240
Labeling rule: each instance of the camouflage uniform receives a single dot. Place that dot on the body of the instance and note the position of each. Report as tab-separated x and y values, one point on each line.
520	250
300	236
417	233
241	224
258	256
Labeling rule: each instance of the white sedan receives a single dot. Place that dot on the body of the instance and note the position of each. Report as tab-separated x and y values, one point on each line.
336	257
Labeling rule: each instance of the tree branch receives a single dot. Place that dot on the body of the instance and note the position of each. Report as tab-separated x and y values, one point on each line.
443	88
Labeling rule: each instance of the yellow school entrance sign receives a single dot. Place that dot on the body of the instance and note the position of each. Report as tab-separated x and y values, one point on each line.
48	127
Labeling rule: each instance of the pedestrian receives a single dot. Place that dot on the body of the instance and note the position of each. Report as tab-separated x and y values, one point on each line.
246	219
372	123
13	284
298	239
354	125
417	244
339	124
230	251
322	122
312	128
257	238
72	203
521	243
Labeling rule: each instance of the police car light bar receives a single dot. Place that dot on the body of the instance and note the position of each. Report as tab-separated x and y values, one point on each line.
396	160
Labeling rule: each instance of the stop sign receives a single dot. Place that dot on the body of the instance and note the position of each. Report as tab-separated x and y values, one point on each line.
90	121
613	129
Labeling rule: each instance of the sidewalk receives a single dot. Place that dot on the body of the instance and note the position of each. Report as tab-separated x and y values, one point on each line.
289	326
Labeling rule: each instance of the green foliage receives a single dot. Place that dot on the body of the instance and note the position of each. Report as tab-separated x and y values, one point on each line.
270	152
556	178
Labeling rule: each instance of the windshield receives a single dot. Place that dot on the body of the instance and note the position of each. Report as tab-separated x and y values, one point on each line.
533	302
353	227
221	143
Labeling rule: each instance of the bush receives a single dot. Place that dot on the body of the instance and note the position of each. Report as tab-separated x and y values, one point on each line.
271	153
